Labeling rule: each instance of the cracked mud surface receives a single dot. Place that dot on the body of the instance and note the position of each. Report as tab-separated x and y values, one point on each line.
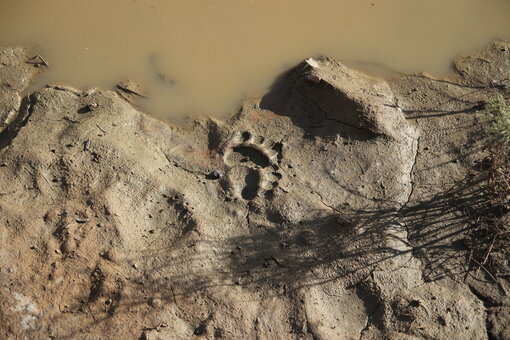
336	207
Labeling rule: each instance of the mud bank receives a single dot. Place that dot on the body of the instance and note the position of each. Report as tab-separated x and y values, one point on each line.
336	207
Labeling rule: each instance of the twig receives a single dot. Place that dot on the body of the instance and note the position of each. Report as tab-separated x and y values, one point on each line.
100	128
28	171
468	264
487	254
486	270
70	120
43	62
156	328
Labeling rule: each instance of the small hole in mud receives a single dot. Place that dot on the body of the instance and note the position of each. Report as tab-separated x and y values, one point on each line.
246	135
84	109
252	181
269	195
278	147
414	303
201	329
218	333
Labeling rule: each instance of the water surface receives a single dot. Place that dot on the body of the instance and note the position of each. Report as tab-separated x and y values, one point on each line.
205	56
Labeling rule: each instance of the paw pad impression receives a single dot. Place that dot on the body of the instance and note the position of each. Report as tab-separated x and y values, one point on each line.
252	165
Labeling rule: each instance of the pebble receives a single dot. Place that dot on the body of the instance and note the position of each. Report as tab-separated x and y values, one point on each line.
112	255
214	175
155	302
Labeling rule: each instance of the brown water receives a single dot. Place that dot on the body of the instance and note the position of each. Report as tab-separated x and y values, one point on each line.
205	56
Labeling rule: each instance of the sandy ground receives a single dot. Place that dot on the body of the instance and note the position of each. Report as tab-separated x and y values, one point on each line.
338	206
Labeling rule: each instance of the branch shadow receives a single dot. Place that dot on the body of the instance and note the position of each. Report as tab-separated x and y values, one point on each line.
440	228
279	258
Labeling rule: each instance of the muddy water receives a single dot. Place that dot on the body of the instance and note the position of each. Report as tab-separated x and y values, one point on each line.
205	56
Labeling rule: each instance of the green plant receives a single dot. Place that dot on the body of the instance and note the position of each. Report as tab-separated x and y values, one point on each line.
498	132
498	175
499	123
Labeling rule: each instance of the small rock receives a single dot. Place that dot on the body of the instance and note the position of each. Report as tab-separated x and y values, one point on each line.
112	255
239	213
86	145
88	108
312	62
155	302
214	175
81	220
